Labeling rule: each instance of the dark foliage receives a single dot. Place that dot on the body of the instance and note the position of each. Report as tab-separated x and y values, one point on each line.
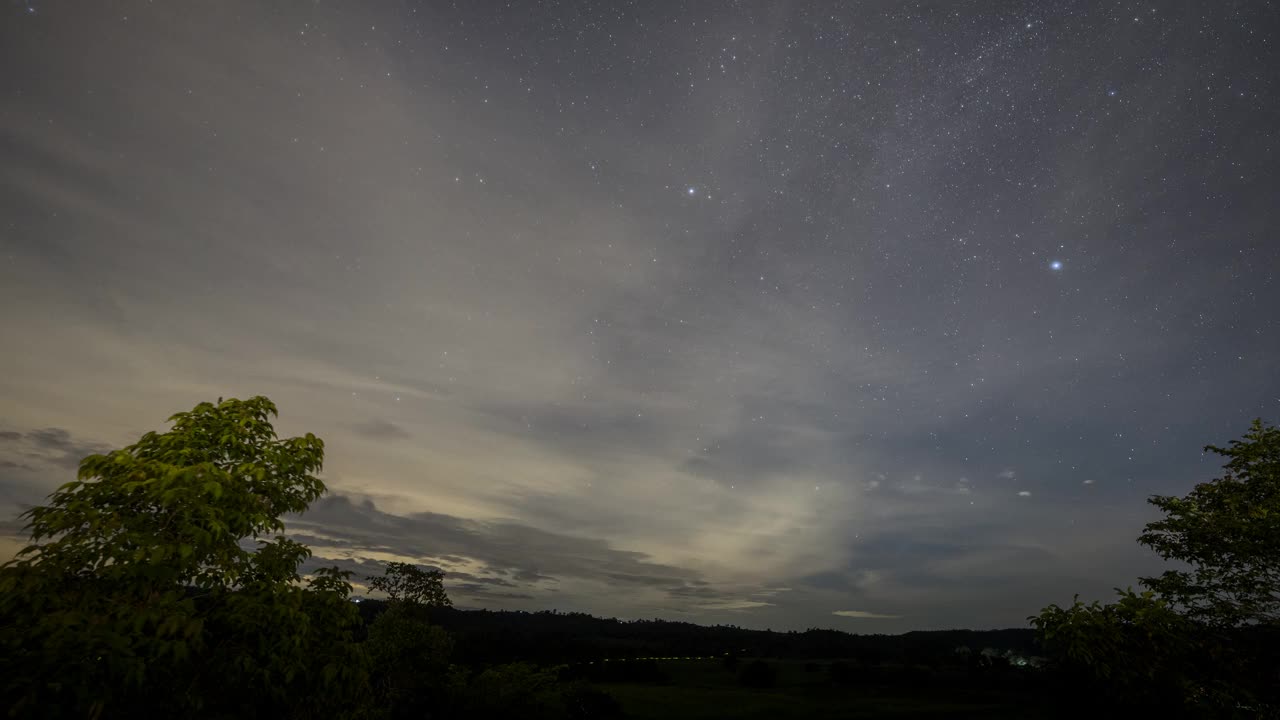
403	582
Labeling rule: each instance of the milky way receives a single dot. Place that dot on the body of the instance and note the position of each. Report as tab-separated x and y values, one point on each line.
877	316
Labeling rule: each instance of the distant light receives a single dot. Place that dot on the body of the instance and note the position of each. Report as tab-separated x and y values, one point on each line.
692	191
1055	265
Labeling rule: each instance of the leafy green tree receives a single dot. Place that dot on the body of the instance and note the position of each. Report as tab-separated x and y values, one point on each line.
412	675
1192	640
138	595
1227	531
1135	650
404	582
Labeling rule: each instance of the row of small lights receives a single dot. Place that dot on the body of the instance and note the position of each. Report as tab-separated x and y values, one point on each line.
700	657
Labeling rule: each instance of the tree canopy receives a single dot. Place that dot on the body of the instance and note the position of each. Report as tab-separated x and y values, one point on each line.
141	564
1197	637
1227	531
404	582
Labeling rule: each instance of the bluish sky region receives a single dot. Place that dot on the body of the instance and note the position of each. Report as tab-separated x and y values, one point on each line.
878	316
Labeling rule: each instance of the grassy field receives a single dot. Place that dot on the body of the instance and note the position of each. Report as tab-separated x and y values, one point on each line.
704	689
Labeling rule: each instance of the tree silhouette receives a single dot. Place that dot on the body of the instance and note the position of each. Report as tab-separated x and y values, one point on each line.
403	582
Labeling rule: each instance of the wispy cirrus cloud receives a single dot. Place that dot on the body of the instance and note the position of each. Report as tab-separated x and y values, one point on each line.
864	615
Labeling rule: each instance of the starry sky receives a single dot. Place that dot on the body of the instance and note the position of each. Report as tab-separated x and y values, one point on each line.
878	316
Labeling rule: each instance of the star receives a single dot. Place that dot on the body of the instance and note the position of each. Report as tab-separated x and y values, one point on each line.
692	191
1055	265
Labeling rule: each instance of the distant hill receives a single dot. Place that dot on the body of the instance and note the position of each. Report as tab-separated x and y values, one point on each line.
492	636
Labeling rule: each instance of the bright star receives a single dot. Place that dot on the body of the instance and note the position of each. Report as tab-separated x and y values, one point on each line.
692	191
1055	265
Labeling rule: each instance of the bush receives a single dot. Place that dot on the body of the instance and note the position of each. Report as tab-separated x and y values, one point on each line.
583	702
411	675
529	692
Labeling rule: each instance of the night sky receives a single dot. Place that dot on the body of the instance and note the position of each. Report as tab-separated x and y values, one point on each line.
879	316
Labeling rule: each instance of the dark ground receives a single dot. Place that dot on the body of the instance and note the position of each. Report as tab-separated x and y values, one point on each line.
705	689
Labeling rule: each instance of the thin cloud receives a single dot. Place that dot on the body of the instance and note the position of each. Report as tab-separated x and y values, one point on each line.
55	447
735	605
864	615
